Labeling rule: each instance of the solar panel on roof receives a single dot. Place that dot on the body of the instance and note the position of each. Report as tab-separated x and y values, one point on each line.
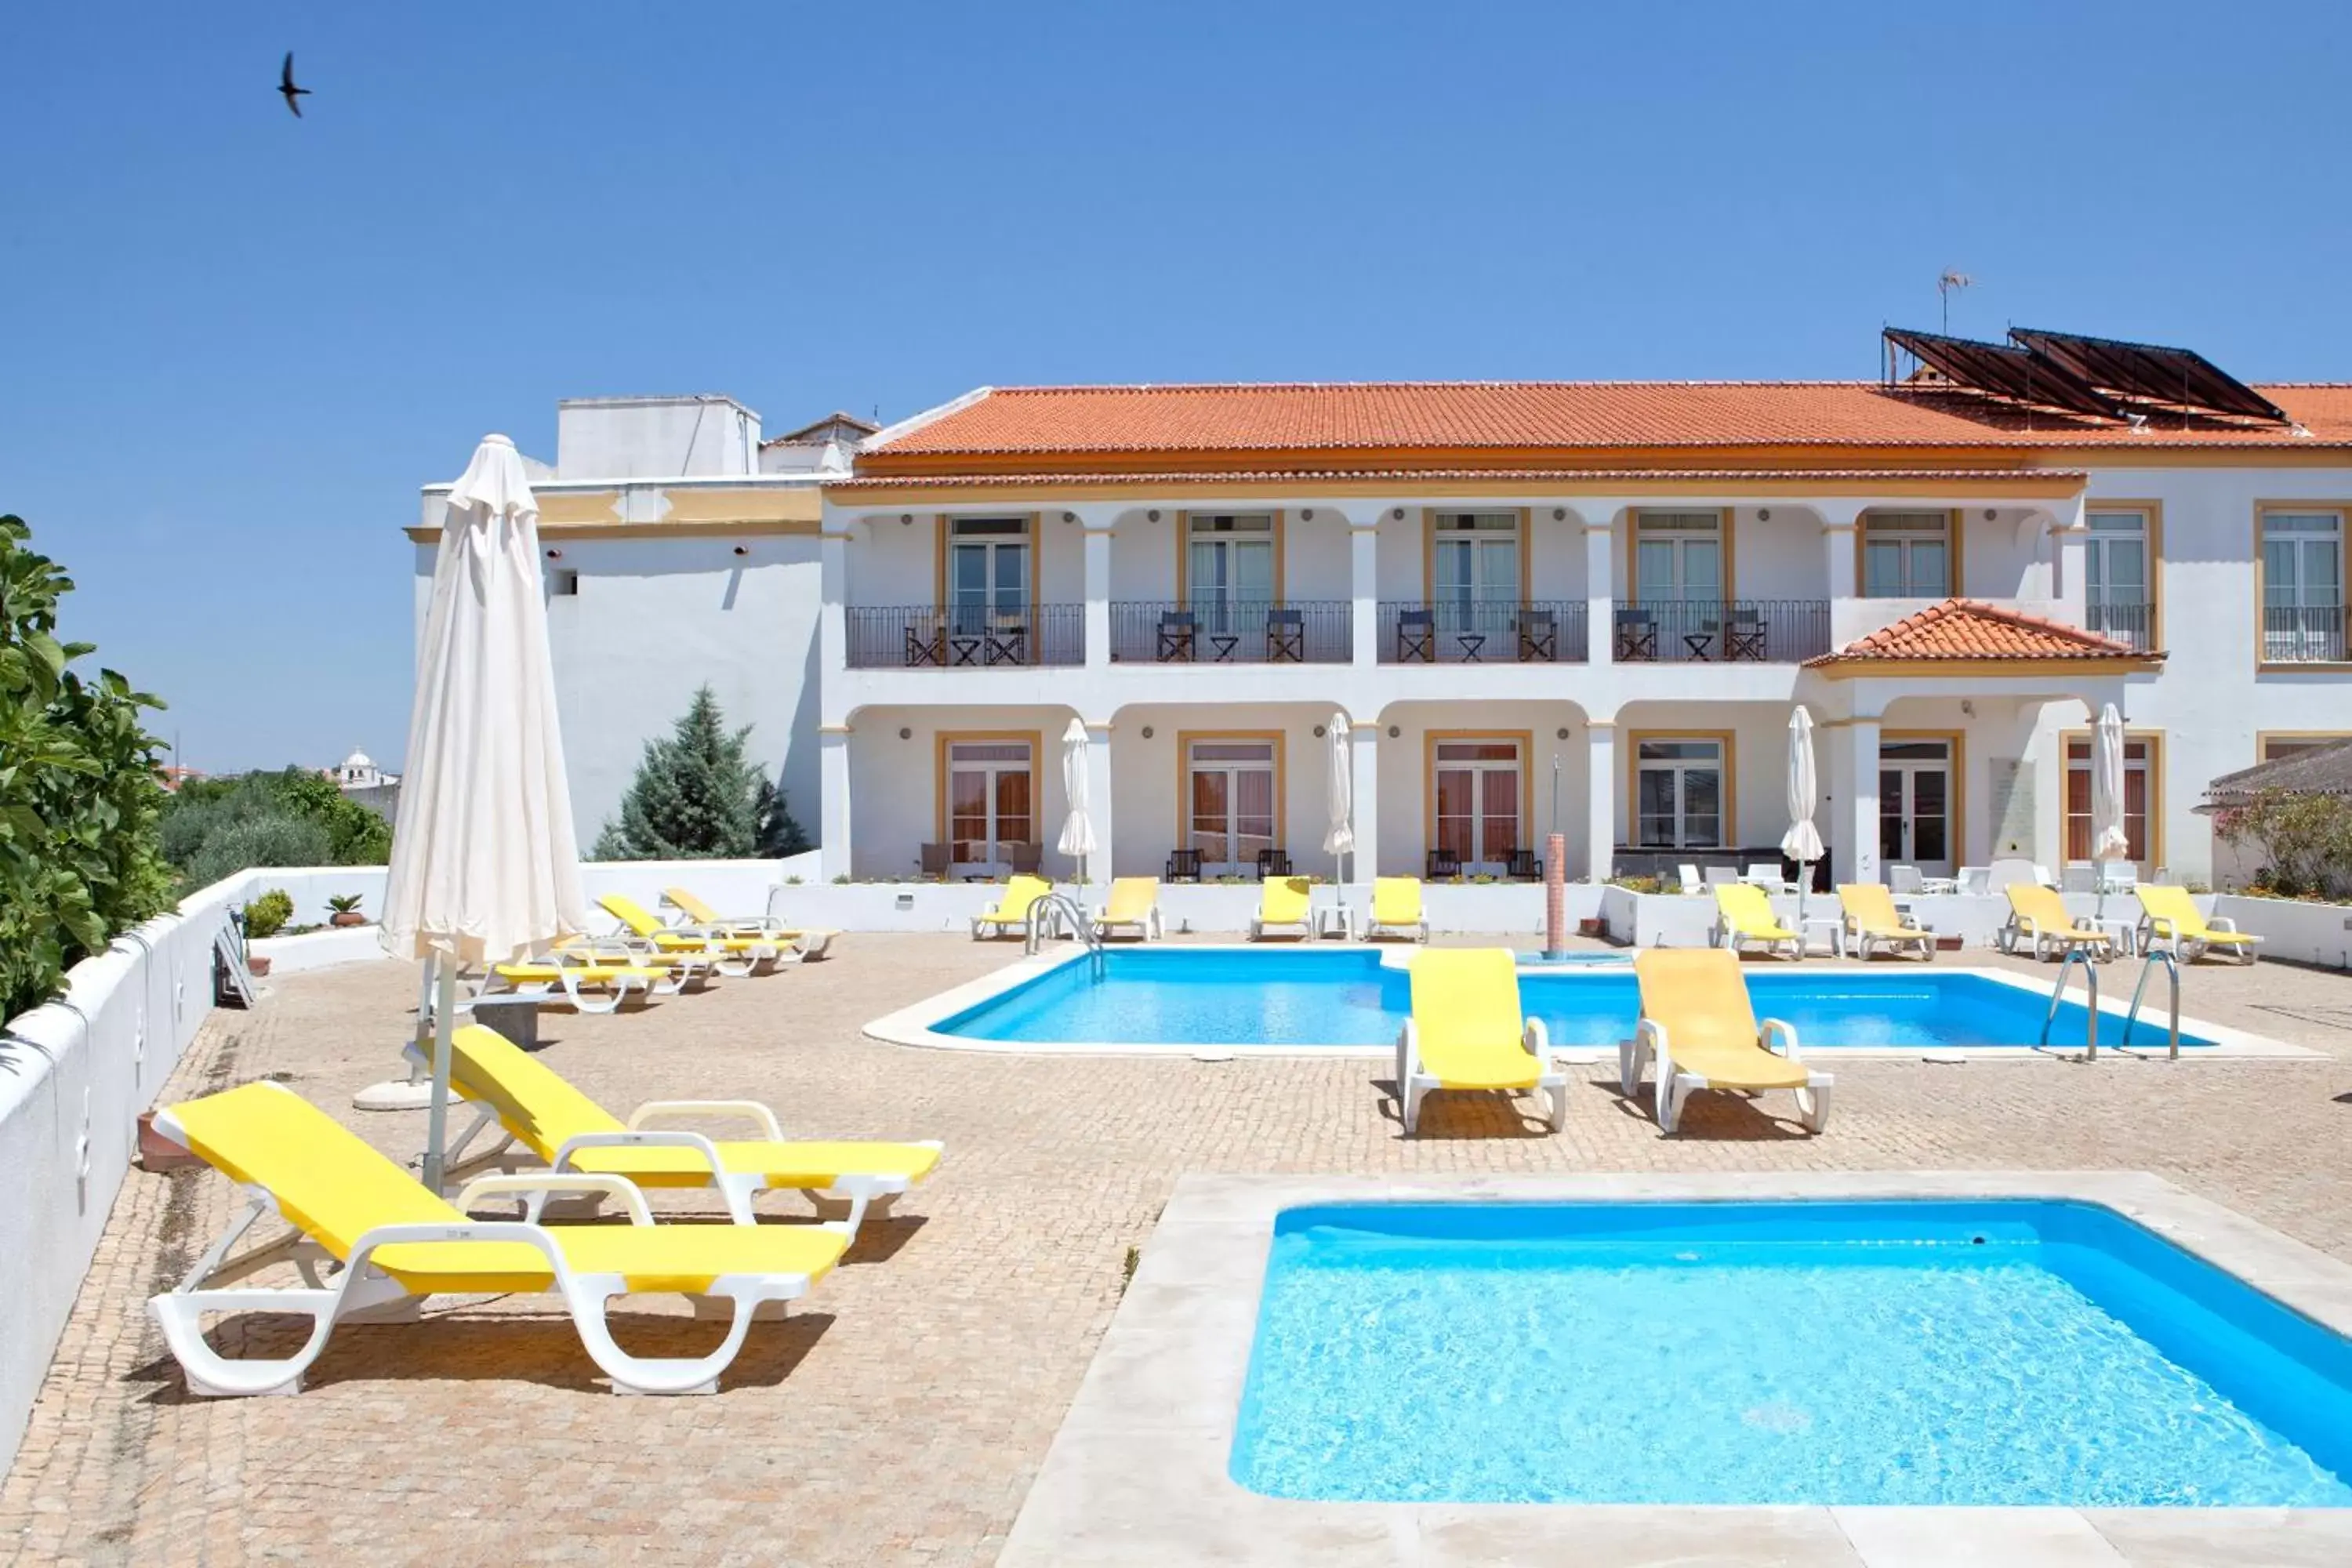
2004	372
2177	378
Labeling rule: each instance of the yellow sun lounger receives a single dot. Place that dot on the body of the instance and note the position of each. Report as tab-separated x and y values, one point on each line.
575	976
1015	910
1134	906
2038	918
1396	909
1466	1032
1744	918
1282	905
730	955
1873	921
398	1243
2170	915
701	920
1699	1031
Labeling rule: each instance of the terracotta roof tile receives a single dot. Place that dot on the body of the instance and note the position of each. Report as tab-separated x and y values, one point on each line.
1965	629
1891	478
1539	415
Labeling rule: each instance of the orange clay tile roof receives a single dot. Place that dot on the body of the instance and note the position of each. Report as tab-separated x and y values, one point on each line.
1889	477
1966	630
1552	415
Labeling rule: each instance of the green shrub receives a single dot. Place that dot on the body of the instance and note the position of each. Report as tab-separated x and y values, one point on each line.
217	827
78	792
275	839
345	903
694	796
2306	840
268	915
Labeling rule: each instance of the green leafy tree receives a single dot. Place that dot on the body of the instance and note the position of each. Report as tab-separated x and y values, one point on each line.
79	797
297	816
2306	840
694	797
780	834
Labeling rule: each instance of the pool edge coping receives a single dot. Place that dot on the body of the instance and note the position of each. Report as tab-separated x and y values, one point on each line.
1138	1470
917	1024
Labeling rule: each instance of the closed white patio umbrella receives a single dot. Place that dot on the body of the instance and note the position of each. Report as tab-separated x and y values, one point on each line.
1802	842
1078	841
1340	841
2110	840
484	864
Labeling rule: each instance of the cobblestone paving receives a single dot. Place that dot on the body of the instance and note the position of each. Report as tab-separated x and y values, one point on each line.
899	1416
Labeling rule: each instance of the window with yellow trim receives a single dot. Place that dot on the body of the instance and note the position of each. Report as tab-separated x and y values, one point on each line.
1678	794
2138	791
1477	783
1906	554
1229	790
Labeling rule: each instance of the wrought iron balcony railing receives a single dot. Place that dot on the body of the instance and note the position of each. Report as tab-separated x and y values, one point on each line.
1473	631
1232	631
1734	631
964	636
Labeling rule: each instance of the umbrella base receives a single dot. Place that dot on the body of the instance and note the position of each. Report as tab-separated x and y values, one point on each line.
405	1095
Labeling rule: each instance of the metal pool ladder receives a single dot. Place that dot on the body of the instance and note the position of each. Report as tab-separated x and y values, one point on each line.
1070	918
2156	956
2058	994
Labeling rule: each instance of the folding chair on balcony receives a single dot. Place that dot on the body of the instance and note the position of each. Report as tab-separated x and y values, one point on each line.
1637	637
1008	640
1539	632
1743	636
1178	633
1285	636
1416	635
927	642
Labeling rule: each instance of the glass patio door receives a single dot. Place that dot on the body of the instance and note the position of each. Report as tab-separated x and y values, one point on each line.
2118	597
2303	586
992	804
1229	573
1478	804
1915	805
988	573
1678	557
1475	574
1230	786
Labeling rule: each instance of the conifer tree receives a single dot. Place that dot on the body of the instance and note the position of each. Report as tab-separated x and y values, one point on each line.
780	834
694	797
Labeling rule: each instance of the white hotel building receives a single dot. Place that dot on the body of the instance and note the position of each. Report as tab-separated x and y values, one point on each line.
1582	607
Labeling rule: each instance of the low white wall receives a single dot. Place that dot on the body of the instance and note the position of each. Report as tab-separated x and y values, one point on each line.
1683	919
2292	930
318	949
312	886
74	1076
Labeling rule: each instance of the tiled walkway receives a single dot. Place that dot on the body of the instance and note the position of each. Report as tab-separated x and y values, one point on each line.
900	1416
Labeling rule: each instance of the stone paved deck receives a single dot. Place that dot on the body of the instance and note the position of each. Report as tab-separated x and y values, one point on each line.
900	1417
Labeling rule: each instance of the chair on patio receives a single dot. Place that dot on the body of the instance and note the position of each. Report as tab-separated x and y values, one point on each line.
1273	863
1134	906
399	1243
1183	866
1282	907
1687	878
1721	875
730	955
2170	915
1444	866
1468	1032
1874	923
574	972
1523	866
534	1105
1698	1030
1396	909
1743	919
2038	920
1023	859
1013	913
809	942
937	860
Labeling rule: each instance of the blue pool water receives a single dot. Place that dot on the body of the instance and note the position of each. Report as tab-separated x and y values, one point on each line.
1346	997
1949	1353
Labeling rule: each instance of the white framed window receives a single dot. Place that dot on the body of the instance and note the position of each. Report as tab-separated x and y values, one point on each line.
1678	556
1474	569
2118	576
1229	570
1229	785
1678	793
1906	554
987	571
991	802
2302	585
1478	785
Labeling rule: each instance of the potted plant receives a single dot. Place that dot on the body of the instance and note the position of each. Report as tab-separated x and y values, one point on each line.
346	907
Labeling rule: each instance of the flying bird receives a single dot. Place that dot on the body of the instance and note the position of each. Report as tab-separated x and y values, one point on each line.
286	86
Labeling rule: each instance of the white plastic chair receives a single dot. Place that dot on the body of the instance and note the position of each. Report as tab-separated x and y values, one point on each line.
2117	877
2077	876
2042	875
1974	880
1905	879
1720	876
1688	874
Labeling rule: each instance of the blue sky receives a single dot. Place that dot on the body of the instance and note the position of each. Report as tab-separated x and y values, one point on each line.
231	345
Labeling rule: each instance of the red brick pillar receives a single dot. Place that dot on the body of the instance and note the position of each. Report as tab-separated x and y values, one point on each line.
1555	895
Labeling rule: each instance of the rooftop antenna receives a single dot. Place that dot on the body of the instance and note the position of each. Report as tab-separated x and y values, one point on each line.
1953	279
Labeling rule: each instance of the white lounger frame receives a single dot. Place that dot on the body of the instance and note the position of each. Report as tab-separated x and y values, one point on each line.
1910	933
2026	929
2188	950
846	1203
363	1293
1148	927
1725	934
568	985
791	943
1650	1044
1417	931
1415	1080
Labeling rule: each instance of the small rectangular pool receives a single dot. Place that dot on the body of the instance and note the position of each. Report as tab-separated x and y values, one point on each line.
1289	998
1976	1351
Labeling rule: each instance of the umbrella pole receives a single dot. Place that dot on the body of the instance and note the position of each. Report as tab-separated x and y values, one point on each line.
444	1019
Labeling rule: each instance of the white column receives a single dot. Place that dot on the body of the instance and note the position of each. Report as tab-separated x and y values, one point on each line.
1099	801
1600	580
833	800
1839	520
1601	799
1364	744
1364	584
2070	539
1097	612
1853	809
833	593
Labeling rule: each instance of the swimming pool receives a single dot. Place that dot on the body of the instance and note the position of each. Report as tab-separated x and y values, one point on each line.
1971	1352
1358	997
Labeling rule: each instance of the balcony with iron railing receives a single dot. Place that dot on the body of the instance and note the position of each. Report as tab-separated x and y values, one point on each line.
1549	631
2303	634
1232	631
2130	624
964	636
1737	631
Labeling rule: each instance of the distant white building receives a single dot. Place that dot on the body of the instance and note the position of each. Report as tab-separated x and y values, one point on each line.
359	770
